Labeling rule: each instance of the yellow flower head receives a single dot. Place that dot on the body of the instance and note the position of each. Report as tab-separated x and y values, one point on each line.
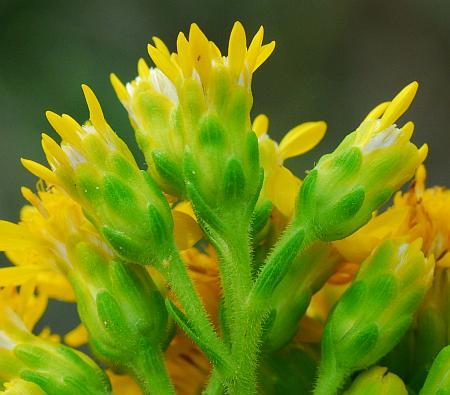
49	229
193	97
343	190
20	309
196	58
280	185
82	146
96	168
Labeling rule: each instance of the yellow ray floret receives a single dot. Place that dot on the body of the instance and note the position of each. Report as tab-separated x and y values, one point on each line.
280	185
197	54
375	130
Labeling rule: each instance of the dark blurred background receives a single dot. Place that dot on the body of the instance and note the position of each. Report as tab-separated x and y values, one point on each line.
334	61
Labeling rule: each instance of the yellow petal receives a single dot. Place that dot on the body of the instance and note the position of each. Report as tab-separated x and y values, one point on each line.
378	111
423	152
69	131
261	125
95	110
254	48
40	171
184	55
200	52
161	46
56	157
360	245
143	69
302	138
186	230
283	188
163	63
444	261
268	154
18	275
35	311
237	48
34	200
123	384
398	106
55	285
185	207
77	336
264	53
215	51
119	88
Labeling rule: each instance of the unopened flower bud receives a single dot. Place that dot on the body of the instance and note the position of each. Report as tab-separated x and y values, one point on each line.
120	307
377	381
191	115
375	312
307	274
55	368
96	168
340	194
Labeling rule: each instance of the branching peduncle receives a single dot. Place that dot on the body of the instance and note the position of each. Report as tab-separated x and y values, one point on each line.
176	275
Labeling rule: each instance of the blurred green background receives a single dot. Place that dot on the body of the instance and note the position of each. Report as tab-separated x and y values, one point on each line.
334	61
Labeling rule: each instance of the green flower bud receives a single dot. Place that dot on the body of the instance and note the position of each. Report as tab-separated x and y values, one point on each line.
438	379
55	368
120	306
307	274
374	313
377	381
197	103
340	194
96	168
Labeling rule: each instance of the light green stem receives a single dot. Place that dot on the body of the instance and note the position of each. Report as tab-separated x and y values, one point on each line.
235	271
176	275
150	372
329	382
245	353
215	384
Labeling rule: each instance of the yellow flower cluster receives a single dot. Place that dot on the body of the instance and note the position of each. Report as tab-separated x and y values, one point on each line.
41	246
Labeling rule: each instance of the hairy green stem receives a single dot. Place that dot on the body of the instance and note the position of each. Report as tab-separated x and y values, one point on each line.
181	284
329	382
150	372
215	384
245	354
235	271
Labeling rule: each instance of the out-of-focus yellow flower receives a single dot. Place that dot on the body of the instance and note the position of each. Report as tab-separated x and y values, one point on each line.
20	309
186	364
419	212
41	244
29	304
280	185
123	384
